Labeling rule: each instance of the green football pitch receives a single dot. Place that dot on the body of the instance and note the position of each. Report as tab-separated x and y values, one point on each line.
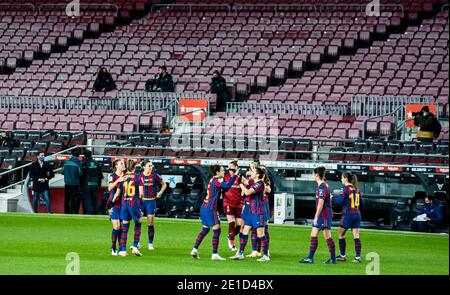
38	244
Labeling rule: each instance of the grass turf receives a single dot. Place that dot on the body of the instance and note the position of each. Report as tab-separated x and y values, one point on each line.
38	244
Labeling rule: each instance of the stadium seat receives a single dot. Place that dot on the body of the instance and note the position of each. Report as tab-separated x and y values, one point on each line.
337	156
192	202
175	200
55	147
400	214
111	149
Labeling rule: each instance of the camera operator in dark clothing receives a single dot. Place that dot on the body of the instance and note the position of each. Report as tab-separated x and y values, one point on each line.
219	87
428	124
163	82
93	175
104	81
40	173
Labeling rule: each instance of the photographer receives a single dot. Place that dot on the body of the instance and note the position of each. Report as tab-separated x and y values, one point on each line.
428	124
162	83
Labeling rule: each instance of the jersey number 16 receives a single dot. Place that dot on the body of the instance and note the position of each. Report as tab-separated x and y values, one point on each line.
130	189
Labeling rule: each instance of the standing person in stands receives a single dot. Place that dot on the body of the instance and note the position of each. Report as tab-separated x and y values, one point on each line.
351	215
151	180
219	87
115	201
104	81
428	124
72	172
93	175
40	173
162	83
232	204
322	218
209	213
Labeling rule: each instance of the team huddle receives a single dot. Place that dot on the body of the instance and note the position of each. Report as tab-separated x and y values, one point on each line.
128	205
245	203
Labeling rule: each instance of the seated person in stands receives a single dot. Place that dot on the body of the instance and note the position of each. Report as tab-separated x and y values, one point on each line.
433	216
219	87
104	81
162	83
428	124
348	117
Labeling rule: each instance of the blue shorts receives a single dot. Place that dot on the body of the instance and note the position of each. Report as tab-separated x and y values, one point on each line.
255	220
266	211
209	217
245	211
148	207
323	223
128	213
350	221
115	213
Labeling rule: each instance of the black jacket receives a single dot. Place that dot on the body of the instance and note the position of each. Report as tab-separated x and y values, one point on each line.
428	123
219	87
165	83
104	82
36	172
92	173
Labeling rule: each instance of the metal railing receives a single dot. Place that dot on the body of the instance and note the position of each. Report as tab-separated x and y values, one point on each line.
131	101
22	167
394	112
82	6
160	7
275	6
287	108
362	6
70	103
13	5
373	105
150	101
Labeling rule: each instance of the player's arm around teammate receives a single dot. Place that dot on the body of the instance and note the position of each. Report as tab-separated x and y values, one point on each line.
256	216
209	213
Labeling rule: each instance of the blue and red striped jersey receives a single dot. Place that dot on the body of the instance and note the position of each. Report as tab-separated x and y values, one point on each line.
214	191
257	198
323	192
129	187
112	178
266	196
351	200
150	185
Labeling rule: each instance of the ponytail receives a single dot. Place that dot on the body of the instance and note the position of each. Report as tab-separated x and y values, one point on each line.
352	178
355	181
